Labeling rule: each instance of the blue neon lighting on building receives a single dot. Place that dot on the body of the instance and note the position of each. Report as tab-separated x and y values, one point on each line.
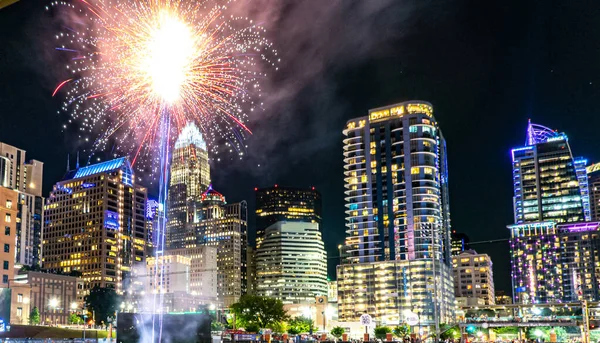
111	220
88	185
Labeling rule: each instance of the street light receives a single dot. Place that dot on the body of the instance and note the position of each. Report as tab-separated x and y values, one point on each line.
53	303
74	306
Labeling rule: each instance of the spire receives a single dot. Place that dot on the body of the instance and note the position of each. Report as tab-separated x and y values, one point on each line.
77	165
530	135
68	164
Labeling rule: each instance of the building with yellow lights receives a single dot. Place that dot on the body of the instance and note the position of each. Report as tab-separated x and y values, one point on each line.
25	177
8	220
291	263
203	276
473	276
277	203
96	224
397	249
190	178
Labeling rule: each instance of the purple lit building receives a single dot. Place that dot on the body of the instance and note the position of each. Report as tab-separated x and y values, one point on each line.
555	263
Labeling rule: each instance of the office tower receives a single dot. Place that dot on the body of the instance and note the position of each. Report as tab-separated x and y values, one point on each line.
96	224
278	203
459	242
203	271
397	217
8	220
152	211
555	262
473	276
549	184
291	263
25	177
190	178
218	224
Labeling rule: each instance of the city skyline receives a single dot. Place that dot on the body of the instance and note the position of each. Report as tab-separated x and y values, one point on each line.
492	78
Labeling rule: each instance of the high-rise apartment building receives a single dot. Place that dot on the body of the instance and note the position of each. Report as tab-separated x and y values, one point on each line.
189	179
473	276
549	184
291	263
174	274
555	262
279	203
96	224
25	177
397	217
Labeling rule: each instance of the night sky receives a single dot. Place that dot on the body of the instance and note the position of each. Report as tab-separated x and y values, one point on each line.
486	66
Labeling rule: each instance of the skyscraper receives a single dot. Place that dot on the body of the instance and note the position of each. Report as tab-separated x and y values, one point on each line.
397	217
593	174
218	224
25	177
291	263
190	178
460	242
555	262
279	203
96	224
549	184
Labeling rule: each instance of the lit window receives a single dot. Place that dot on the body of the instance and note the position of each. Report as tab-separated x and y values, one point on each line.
19	311
19	298
8	203
414	170
7	218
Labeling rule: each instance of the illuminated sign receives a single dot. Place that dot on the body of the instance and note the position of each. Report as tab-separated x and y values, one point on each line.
111	220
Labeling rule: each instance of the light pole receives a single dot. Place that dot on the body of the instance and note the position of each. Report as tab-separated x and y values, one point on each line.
54	305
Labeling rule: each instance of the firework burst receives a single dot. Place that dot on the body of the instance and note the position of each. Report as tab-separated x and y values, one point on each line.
132	62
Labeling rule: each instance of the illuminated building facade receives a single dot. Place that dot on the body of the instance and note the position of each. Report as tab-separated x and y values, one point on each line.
397	248
175	274
25	177
95	224
555	262
274	204
291	263
203	271
218	224
152	211
189	179
473	276
460	242
549	184
593	174
8	220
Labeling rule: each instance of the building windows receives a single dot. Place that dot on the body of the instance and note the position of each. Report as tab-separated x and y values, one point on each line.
5	265
4	278
8	203
6	247
19	311
7	218
7	230
19	298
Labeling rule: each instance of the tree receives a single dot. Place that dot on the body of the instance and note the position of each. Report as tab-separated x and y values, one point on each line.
104	302
252	327
449	332
216	326
401	331
300	325
338	331
75	319
382	331
34	316
263	312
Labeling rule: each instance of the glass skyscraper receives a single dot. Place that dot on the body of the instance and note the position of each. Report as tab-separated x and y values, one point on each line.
397	217
549	184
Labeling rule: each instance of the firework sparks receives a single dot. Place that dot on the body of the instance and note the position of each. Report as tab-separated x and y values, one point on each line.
132	61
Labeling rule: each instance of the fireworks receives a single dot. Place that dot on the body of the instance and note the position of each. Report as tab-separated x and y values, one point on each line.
131	62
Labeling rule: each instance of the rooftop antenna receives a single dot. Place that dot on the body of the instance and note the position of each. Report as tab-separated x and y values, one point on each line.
77	165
